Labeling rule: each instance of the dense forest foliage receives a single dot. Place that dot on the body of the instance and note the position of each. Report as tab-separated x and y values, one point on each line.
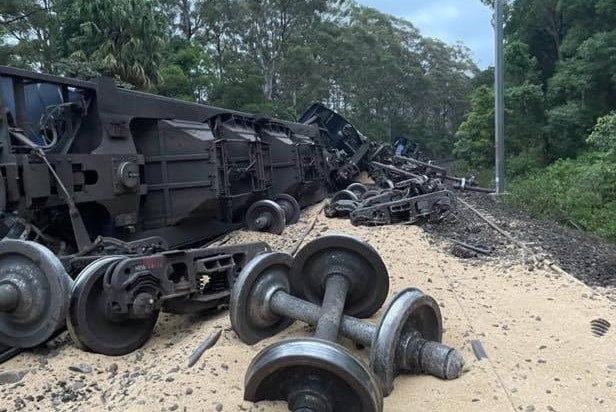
278	56
560	96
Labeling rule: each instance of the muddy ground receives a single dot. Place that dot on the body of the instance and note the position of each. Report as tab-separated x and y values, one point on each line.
533	322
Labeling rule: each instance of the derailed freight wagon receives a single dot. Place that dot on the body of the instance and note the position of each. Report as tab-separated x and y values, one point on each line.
117	189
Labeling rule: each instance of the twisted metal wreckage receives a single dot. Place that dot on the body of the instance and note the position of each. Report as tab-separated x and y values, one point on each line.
107	197
403	189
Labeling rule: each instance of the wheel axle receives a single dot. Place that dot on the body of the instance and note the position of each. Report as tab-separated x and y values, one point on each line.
406	339
413	353
312	375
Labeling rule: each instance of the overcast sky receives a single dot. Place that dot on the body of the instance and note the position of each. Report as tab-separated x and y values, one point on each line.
451	21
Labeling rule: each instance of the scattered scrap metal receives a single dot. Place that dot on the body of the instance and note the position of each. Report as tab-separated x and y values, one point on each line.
205	345
405	189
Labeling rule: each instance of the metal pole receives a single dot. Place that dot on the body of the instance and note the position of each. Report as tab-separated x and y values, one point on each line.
499	92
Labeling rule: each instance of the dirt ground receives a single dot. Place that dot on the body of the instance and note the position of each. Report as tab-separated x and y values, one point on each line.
533	324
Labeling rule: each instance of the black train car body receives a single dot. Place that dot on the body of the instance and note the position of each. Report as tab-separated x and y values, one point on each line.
138	165
119	190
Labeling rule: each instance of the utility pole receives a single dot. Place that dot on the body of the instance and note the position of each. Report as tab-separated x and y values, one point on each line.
499	92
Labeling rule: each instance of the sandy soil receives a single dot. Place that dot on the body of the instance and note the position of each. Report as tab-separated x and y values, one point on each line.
534	326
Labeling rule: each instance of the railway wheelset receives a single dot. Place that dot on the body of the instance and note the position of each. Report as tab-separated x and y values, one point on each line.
112	303
332	283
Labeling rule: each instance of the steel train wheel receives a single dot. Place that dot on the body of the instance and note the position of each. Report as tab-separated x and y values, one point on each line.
34	293
349	256
290	206
250	318
369	193
409	312
312	375
88	323
344	195
265	216
357	188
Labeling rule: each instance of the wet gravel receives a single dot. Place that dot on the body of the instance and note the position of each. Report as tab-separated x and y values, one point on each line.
585	256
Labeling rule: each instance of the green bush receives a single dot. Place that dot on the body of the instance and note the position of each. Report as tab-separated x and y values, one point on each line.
579	192
603	136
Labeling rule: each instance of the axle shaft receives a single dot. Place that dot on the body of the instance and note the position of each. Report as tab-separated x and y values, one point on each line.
331	311
414	354
289	306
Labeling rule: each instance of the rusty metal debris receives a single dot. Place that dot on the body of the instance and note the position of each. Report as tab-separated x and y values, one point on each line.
478	350
390	206
205	345
462	252
405	189
474	248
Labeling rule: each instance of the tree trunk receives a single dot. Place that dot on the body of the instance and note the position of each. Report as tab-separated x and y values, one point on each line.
268	80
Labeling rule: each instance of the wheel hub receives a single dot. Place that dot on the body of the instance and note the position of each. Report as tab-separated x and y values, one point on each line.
24	288
143	305
9	297
34	290
262	221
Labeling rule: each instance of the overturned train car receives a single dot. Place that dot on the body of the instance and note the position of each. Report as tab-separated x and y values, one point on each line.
118	190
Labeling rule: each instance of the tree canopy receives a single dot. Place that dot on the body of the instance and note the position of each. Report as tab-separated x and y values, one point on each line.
560	64
271	56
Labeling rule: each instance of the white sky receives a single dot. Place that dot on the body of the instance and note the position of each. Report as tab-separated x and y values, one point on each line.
466	21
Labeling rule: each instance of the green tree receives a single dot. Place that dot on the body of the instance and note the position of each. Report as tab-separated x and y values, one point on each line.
539	24
31	26
186	17
186	71
475	137
121	38
603	136
269	26
560	82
